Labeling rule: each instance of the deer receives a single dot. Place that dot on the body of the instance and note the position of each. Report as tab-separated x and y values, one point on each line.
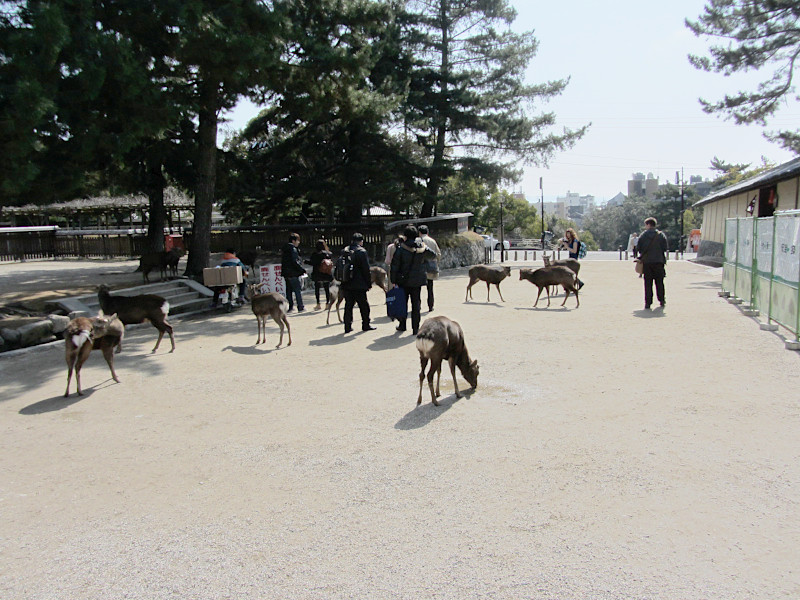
83	335
571	263
269	304
164	260
488	274
377	276
546	276
440	339
138	309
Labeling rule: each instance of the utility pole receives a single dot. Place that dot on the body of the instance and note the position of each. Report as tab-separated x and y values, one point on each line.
682	182
541	189
502	229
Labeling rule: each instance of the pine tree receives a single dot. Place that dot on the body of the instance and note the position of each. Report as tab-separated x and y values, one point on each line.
467	100
758	34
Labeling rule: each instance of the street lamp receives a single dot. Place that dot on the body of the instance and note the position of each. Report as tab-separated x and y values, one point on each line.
682	183
541	189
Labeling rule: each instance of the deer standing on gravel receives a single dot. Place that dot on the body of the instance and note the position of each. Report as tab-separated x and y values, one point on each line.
377	277
138	309
269	304
488	274
438	339
83	335
548	276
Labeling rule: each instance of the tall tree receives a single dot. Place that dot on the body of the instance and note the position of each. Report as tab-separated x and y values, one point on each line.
227	49
756	34
322	147
467	101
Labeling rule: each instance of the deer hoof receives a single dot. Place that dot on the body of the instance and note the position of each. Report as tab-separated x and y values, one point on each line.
435	403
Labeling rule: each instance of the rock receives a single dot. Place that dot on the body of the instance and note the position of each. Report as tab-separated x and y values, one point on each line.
77	313
59	323
2	344
11	337
32	333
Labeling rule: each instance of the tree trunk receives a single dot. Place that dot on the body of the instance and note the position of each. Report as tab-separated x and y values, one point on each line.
155	201
200	245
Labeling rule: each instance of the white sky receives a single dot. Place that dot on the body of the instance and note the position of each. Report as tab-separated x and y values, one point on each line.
630	77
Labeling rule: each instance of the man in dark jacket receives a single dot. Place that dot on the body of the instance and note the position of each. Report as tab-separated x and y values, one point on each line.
653	249
355	290
408	271
291	270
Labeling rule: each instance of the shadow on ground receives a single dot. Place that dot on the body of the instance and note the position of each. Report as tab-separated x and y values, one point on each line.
427	413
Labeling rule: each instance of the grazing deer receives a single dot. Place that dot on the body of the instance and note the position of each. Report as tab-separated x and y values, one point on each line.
138	309
83	335
438	339
488	274
269	304
547	276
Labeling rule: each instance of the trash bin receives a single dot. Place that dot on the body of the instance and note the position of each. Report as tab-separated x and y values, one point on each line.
173	241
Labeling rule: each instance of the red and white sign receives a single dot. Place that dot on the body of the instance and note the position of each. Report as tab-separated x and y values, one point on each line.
272	280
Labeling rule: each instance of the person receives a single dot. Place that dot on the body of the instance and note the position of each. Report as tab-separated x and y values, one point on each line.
408	271
390	250
229	259
632	241
320	278
572	244
292	269
355	290
431	265
653	248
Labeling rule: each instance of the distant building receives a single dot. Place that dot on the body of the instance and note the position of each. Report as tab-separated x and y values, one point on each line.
573	206
639	185
616	200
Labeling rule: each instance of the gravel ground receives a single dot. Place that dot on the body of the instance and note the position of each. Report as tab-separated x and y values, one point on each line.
607	453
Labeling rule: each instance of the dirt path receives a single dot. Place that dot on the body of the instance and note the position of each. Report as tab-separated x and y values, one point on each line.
607	453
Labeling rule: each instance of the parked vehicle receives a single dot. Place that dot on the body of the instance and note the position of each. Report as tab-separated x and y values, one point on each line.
492	242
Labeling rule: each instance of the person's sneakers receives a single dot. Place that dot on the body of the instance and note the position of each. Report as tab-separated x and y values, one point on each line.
317	307
347	329
301	310
414	331
368	328
400	328
647	307
291	309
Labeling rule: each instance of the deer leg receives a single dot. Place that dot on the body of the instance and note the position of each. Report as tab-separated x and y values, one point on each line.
435	365
423	360
537	298
487	290
70	364
108	354
499	292
338	302
288	329
548	296
171	336
469	289
452	362
566	295
83	354
438	378
158	341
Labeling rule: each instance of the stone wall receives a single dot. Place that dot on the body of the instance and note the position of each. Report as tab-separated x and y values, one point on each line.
48	329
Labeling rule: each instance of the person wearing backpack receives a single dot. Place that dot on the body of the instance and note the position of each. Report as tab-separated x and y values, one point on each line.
432	264
653	249
408	271
355	283
292	269
321	261
575	247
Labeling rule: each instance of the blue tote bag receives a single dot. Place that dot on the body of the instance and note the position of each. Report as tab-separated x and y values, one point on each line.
396	304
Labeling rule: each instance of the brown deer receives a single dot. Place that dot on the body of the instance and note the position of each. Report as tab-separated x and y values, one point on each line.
547	276
488	274
138	309
438	339
166	261
83	335
269	304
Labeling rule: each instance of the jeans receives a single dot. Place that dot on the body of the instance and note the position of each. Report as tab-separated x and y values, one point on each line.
293	287
654	273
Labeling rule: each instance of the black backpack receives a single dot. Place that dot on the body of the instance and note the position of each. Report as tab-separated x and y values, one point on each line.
343	270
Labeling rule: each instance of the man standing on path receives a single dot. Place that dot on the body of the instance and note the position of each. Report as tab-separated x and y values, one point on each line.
432	264
356	288
653	249
291	269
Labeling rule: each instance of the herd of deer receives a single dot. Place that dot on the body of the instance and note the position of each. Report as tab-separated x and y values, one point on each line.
438	338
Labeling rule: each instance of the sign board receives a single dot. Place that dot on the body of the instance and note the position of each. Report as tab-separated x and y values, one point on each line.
272	280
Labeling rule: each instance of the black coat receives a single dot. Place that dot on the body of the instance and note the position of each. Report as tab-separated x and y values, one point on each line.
291	265
653	246
361	278
315	261
408	264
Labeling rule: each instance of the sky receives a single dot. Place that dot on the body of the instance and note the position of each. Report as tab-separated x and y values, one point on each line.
631	79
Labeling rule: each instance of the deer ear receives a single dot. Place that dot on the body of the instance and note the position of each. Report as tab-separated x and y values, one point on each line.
100	313
473	364
112	317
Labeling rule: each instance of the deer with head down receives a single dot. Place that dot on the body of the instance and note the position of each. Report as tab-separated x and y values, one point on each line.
83	335
440	339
